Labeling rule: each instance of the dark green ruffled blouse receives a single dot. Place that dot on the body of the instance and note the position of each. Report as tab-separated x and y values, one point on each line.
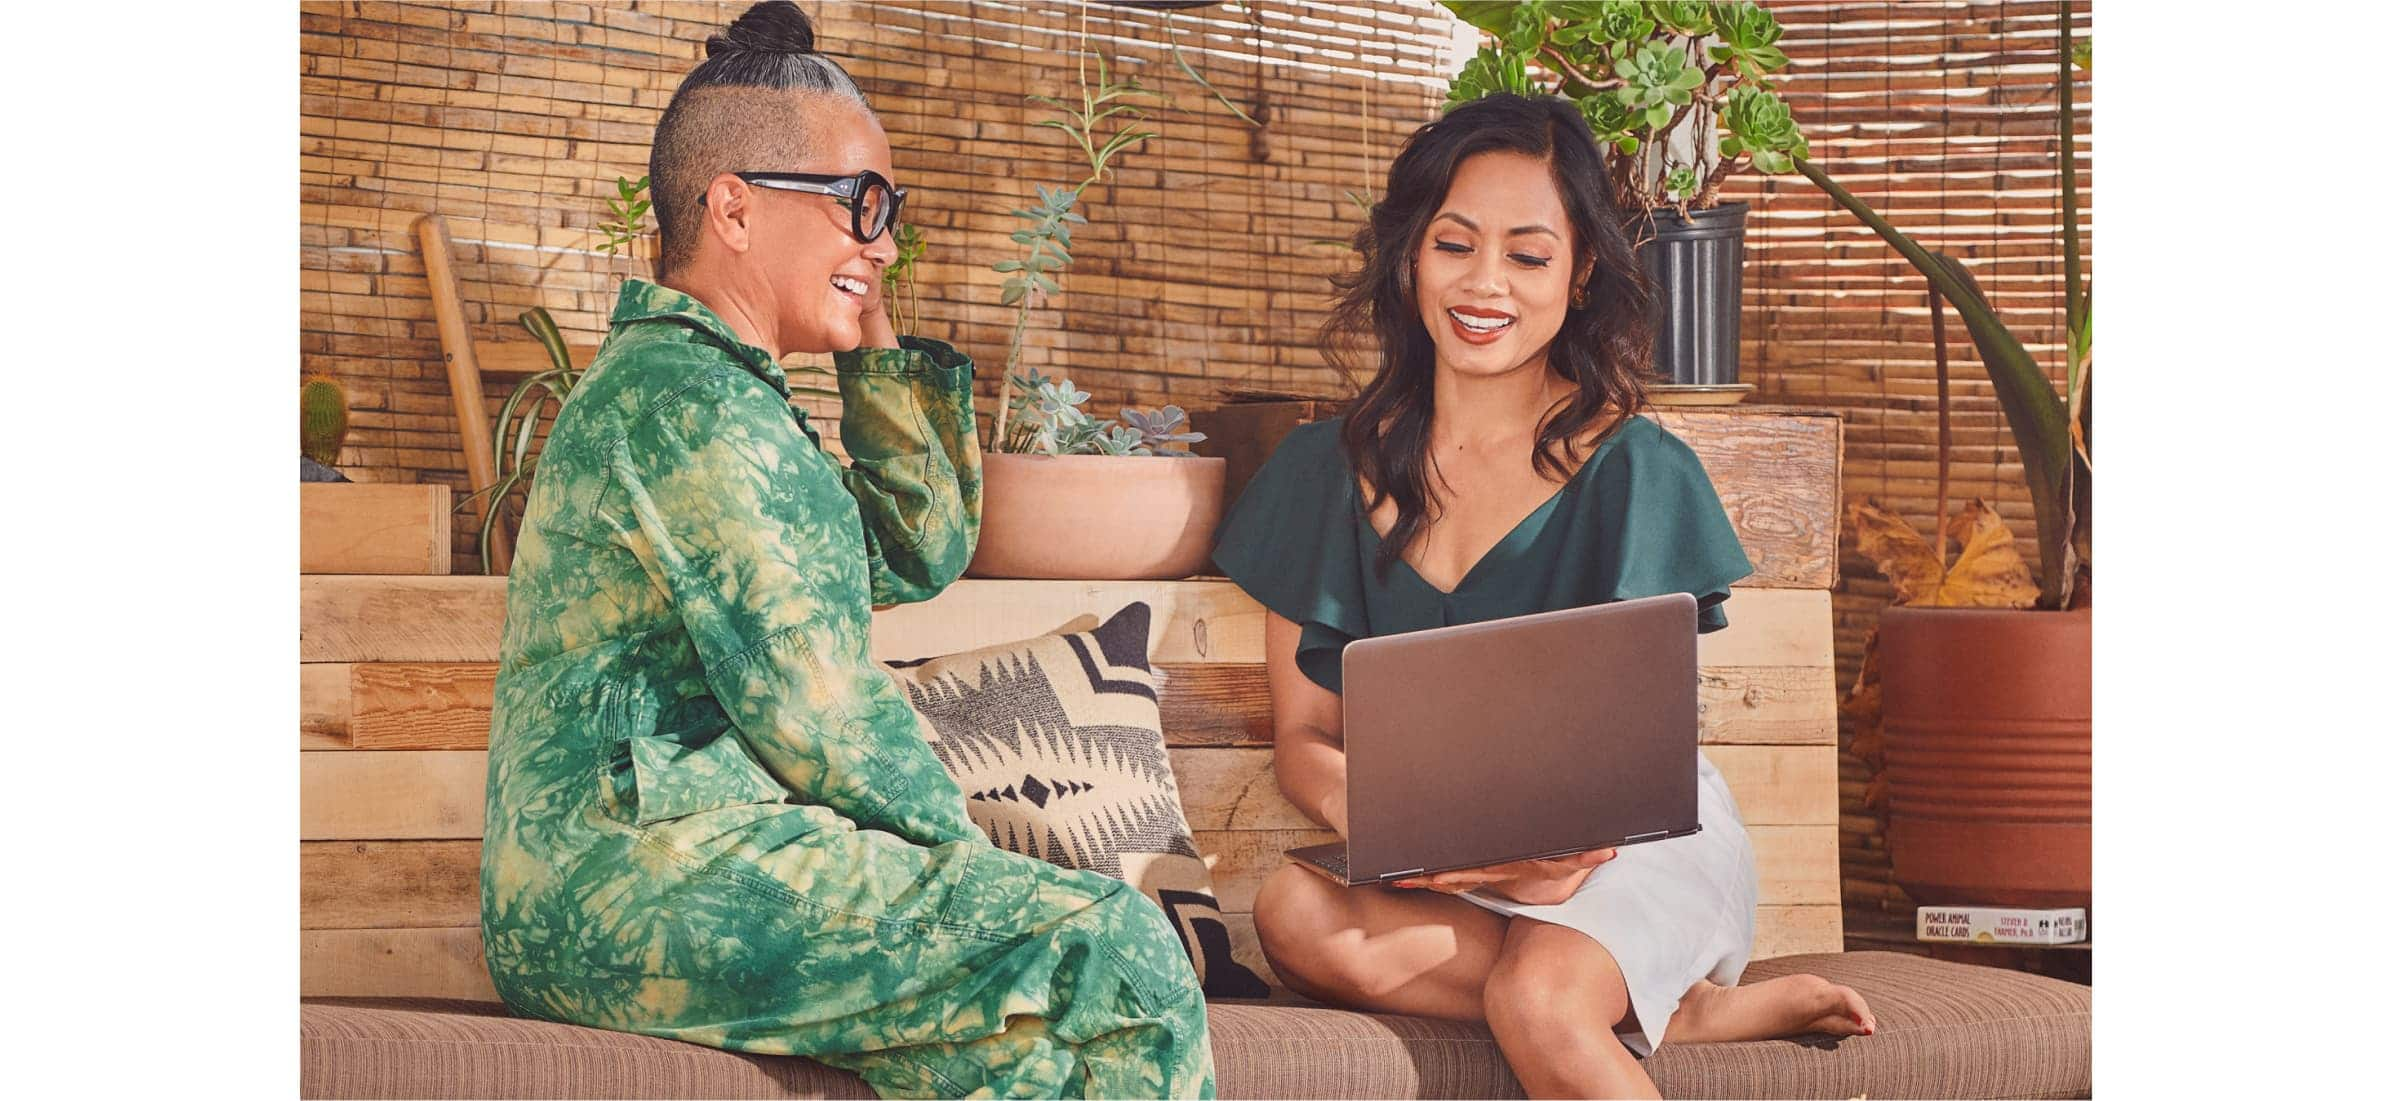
1639	518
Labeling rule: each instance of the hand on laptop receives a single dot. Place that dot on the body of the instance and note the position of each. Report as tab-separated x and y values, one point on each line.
1530	882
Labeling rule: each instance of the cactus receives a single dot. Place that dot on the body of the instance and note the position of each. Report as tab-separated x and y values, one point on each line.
323	419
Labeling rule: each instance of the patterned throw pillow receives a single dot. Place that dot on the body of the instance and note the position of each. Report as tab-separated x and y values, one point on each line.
1058	745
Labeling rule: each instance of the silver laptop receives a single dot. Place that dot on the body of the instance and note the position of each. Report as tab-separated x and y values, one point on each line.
1530	737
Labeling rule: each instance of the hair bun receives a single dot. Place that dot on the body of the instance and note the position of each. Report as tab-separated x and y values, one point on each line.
772	27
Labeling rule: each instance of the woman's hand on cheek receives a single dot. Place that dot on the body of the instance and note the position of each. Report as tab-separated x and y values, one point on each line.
877	329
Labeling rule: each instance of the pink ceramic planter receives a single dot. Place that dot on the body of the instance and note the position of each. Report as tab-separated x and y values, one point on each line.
1097	517
1989	754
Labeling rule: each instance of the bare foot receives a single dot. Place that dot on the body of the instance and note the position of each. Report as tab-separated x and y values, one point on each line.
1793	1005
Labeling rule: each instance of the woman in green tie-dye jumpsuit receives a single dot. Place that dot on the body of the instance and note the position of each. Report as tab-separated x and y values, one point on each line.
711	815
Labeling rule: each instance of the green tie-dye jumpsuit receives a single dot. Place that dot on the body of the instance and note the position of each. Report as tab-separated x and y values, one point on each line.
713	817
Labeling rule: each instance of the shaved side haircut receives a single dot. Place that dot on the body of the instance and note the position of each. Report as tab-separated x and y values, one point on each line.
736	112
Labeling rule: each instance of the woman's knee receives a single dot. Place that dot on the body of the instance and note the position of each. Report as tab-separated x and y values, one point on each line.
1298	917
1554	981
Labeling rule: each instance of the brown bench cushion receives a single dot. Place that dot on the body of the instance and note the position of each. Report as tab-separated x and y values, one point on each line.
1945	1030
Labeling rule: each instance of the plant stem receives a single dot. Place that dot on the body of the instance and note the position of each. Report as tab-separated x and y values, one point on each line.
2071	247
1553	59
1013	359
1943	424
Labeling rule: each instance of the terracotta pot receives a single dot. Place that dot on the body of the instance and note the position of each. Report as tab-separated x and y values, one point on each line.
1097	517
1989	754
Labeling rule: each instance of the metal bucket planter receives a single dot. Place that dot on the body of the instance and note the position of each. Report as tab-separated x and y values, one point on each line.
1989	754
1097	517
1697	272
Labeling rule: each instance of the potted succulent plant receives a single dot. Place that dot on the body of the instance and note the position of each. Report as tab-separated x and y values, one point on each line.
1070	496
1681	93
1981	677
1062	494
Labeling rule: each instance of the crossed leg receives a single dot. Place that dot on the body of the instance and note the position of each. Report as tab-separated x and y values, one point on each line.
1551	995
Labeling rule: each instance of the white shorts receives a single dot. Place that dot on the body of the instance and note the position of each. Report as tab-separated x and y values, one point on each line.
1671	912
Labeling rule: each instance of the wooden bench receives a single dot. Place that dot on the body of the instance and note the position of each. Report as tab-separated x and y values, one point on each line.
396	686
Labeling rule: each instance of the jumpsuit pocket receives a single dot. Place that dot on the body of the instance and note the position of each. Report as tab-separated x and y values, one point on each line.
674	780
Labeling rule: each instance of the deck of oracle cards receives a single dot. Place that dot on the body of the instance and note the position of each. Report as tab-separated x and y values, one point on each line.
1997	925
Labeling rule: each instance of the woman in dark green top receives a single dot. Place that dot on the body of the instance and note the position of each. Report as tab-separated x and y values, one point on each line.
1494	467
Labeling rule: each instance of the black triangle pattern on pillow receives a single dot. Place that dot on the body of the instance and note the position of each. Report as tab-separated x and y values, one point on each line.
1057	743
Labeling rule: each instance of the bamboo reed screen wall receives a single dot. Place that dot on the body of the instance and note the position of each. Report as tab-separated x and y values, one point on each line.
1944	116
514	120
1198	269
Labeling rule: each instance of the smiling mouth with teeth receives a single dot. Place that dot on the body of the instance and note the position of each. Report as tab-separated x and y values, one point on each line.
851	285
1480	324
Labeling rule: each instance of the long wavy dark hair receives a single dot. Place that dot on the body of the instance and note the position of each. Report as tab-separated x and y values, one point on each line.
1604	347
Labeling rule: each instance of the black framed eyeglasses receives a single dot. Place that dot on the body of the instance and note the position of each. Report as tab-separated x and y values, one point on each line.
872	202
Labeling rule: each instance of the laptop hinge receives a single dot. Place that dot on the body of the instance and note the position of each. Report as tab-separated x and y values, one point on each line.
1636	837
1403	875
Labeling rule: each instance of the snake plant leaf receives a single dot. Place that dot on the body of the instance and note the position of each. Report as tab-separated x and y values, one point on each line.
543	328
2038	421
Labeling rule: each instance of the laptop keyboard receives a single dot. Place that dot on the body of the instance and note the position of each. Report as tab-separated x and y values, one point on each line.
1334	862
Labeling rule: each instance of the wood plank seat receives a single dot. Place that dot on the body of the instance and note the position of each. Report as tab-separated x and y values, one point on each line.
395	695
391	796
353	527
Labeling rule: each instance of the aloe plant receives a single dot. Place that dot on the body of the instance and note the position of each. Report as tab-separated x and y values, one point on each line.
2048	427
1106	105
1638	71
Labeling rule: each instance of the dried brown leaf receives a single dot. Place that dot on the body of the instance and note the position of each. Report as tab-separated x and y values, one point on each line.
1990	573
1900	553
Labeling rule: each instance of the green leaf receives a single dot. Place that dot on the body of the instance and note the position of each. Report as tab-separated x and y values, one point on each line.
1014	290
1006	265
1046	284
1203	83
1657	116
1681	183
1491	16
1691	18
537	322
1623	21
